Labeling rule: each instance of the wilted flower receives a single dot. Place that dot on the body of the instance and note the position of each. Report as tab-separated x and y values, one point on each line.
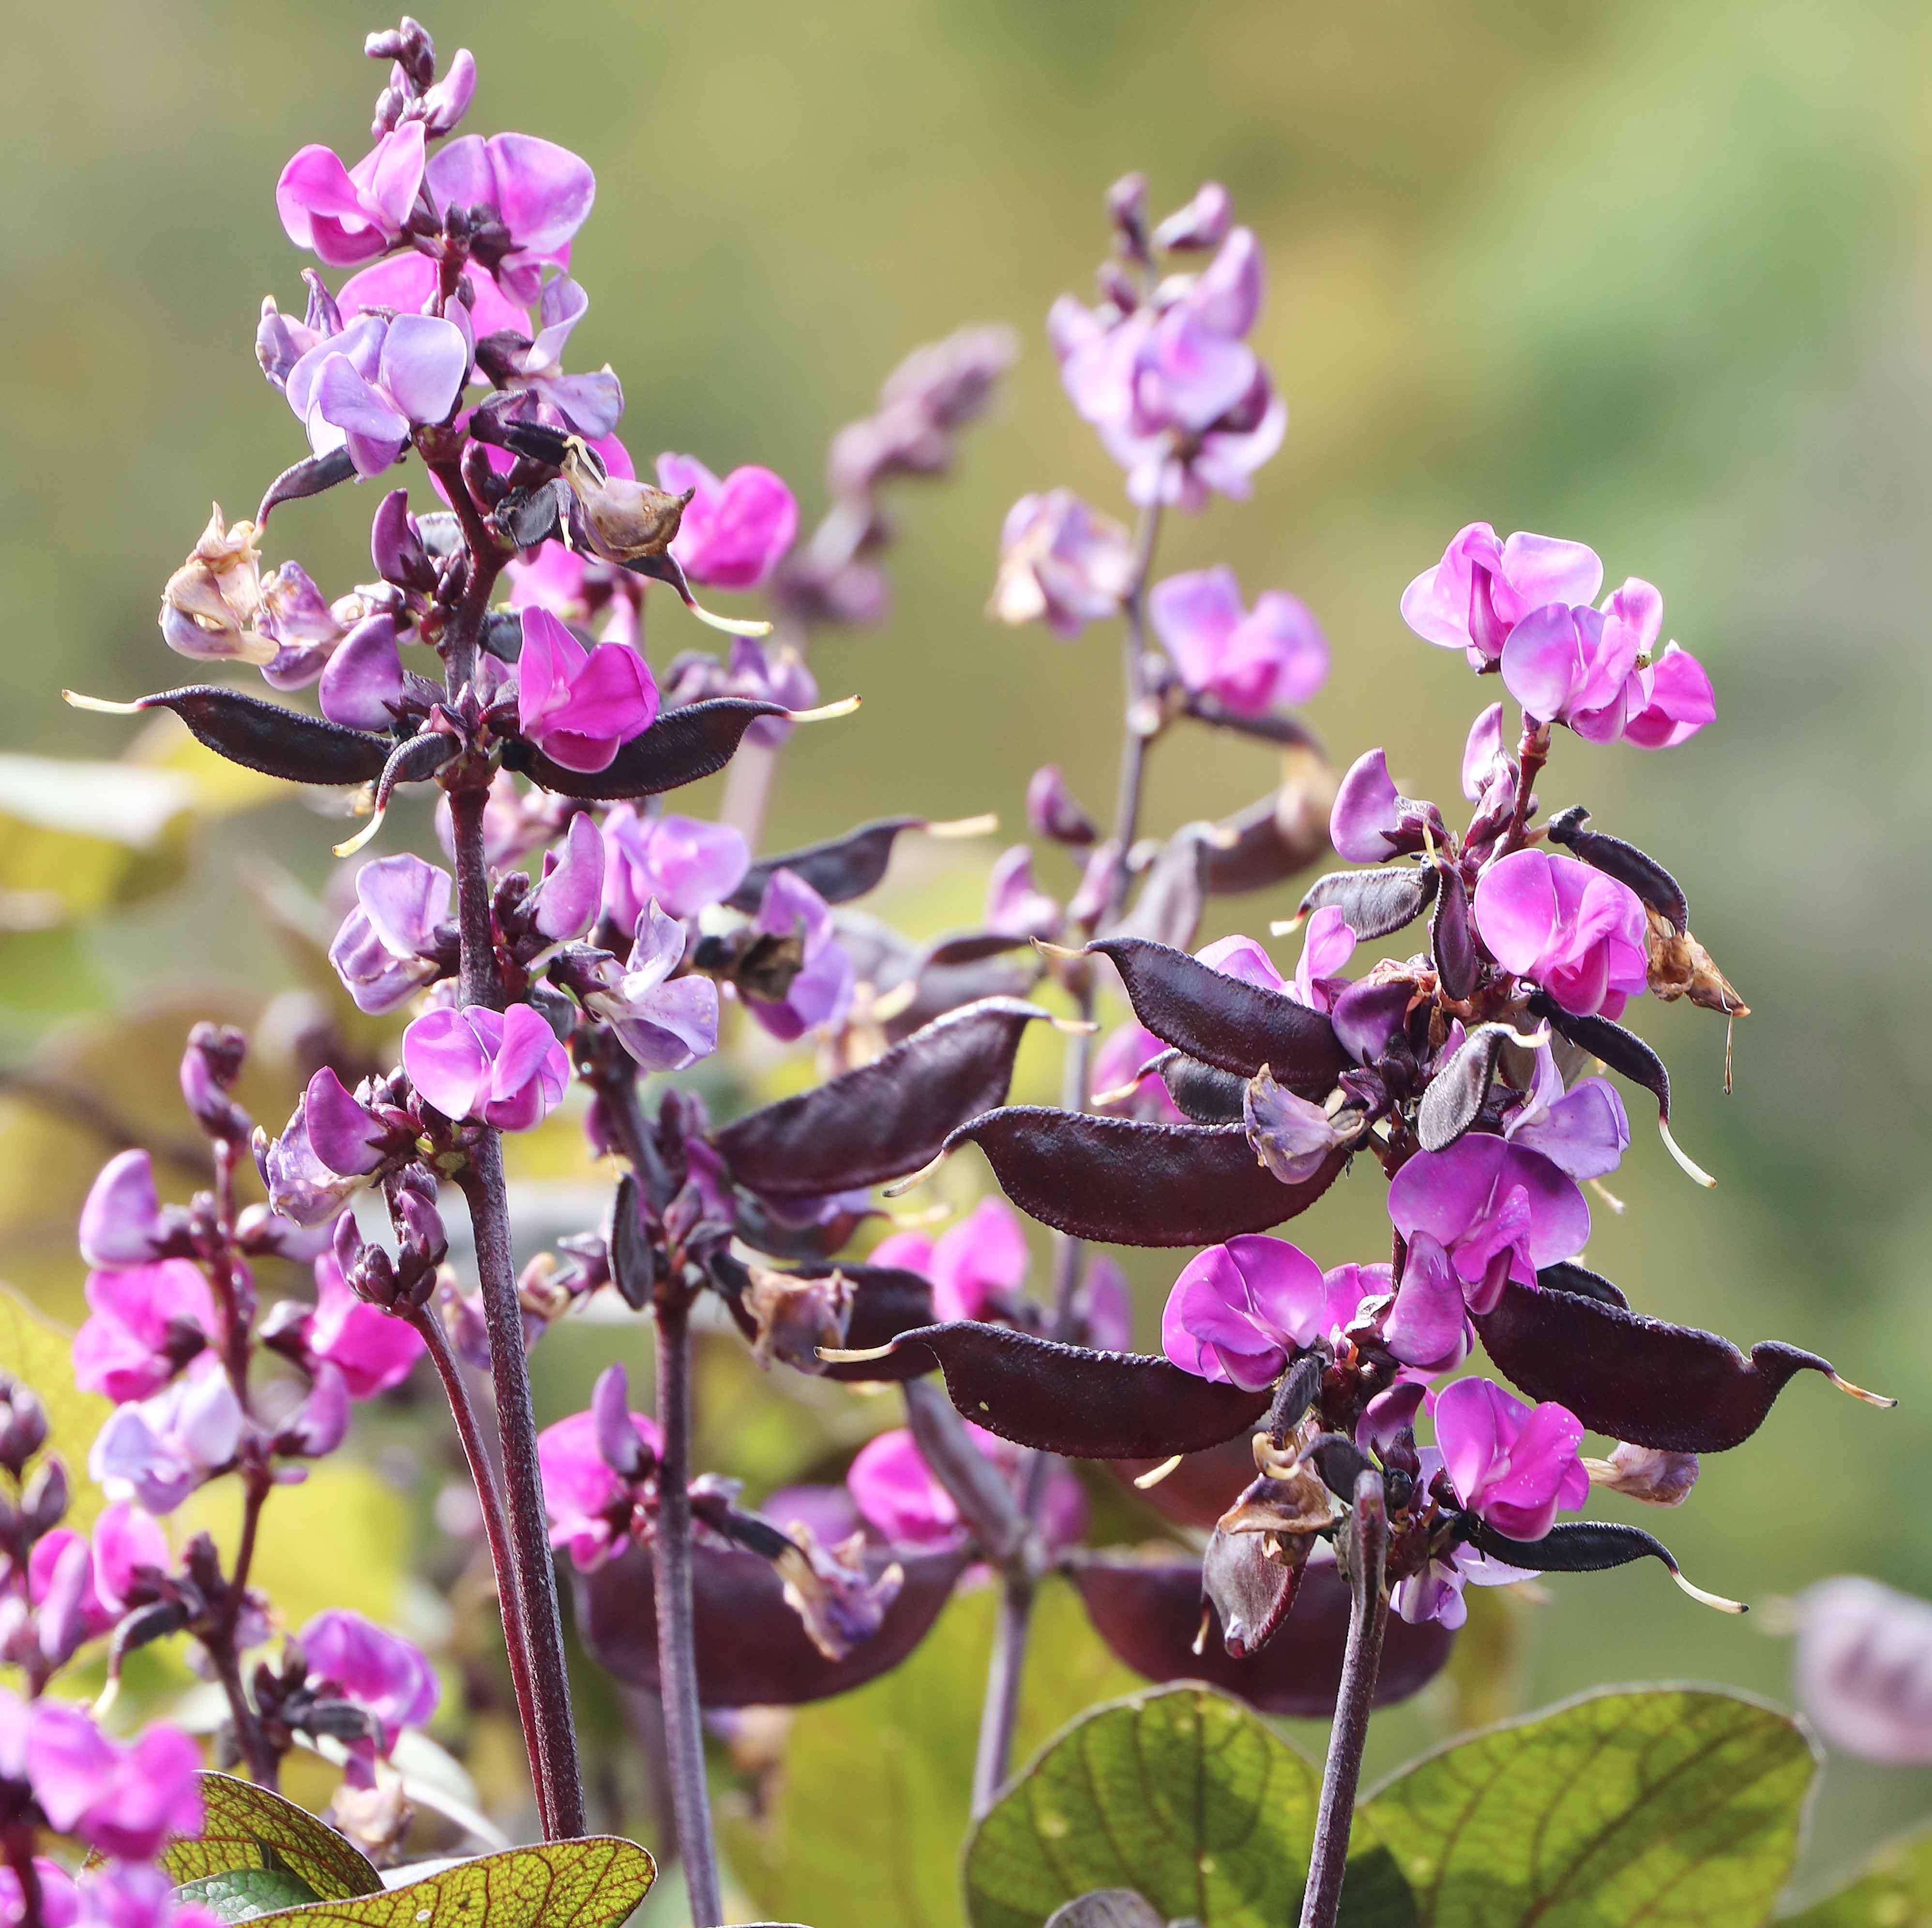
1566	926
1512	1464
1061	563
502	1068
157	1451
1292	1136
1483	587
212	606
1249	661
580	707
735	530
1646	1472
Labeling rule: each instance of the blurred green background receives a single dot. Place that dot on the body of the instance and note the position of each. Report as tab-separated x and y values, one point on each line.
1654	277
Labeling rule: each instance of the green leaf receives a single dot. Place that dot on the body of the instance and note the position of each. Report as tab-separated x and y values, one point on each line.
1894	1892
39	1354
244	1894
592	1883
80	837
1179	1793
246	1830
876	1795
1622	1806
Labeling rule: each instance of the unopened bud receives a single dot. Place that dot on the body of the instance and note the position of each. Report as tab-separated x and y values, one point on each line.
1126	209
1053	811
1202	223
208	1069
43	1500
23	1425
619	1445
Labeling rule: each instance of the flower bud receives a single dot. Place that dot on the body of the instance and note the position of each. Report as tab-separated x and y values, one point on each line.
208	1069
1202	223
43	1499
396	545
120	1222
1126	209
619	1444
1371	821
1053	811
446	104
23	1425
363	685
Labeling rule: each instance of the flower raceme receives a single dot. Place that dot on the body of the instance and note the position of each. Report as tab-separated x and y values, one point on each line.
504	1068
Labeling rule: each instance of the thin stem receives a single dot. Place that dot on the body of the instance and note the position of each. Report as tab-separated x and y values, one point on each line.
16	1852
1368	1616
670	1557
496	1531
1532	752
1001	1714
986	1502
1133	743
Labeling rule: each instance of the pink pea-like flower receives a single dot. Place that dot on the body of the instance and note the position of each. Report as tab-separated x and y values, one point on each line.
1483	587
1238	1310
822	991
125	1801
587	1498
365	387
1574	665
1565	926
578	706
157	1451
682	864
895	1491
120	1223
386	1675
1249	661
736	529
1863	1669
970	1264
1061	563
1513	1465
146	1323
384	952
502	1068
351	214
374	1350
1668	700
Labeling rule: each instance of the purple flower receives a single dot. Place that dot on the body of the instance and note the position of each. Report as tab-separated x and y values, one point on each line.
125	1801
1015	906
1371	821
1061	564
351	214
821	992
1290	1135
1117	1078
896	1493
1483	588
1863	1669
120	1222
682	864
1428	1327
410	283
1565	926
1327	945
1250	662
387	948
60	1897
735	530
971	1265
1202	223
362	684
502	1068
1242	957
1583	1131
326	1152
131	1894
1055	812
588	1499
95	1574
564	904
366	388
372	1350
665	1022
538	192
305	629
146	1323
578	706
1239	1309
157	1451
1513	1465
1567	664
1667	700
1503	1212
1436	1592
354	1659
591	405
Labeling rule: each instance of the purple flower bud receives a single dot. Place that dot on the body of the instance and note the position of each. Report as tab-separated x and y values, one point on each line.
1015	906
1863	1669
1053	811
384	1674
1202	223
362	687
734	531
590	1506
618	1443
682	864
1371	821
120	1222
1514	1464
326	1151
1578	934
1484	753
1126	209
23	1425
1061	563
580	707
502	1068
565	902
444	104
371	1349
157	1451
1483	588
396	545
1099	881
387	948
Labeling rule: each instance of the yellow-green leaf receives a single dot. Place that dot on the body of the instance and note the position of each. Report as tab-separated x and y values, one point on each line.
39	1354
1895	1891
590	1883
246	1894
246	1828
76	837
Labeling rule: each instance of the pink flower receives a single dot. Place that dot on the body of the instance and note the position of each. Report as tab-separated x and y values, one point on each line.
970	1264
325	1154
60	1898
665	1022
1239	1309
735	531
1371	821
1567	927
364	387
502	1068
1863	1669
568	894
382	1673
348	214
1583	1131
1123	1051
87	1581
131	1894
1572	664
1428	1327
682	864
822	991
1513	1465
1501	1212
590	1500
578	706
895	1491
157	1451
124	1800
120	1222
147	1322
1242	957
1061	564
1015	905
1250	661
1483	588
374	1350
1327	945
1667	700
386	951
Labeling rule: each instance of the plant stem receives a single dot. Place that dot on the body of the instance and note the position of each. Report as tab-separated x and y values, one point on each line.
1133	743
1368	1615
1532	752
16	1852
496	1529
1003	1678
670	1558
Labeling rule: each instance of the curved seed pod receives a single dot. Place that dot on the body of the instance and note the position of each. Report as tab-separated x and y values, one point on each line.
767	1231
1201	1487
1223	1022
1251	851
752	1648
1375	902
1452	942
1208	1095
261	736
308	477
842	867
1119	1182
1070	1400
886	1118
1625	862
1174	892
1273	726
681	747
1579	1280
634	1263
1589	1546
1253	1583
1149	1612
1673	1387
1454	1099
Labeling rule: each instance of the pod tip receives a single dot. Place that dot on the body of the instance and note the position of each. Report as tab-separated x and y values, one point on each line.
825	712
834	1355
1286	927
1690	1168
101	704
1709	1599
1879	1400
900	1187
982	826
350	846
1154	1475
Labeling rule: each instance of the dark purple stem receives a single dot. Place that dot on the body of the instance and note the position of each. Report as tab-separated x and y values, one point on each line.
1000	1714
496	1531
1368	1616
1532	752
16	1851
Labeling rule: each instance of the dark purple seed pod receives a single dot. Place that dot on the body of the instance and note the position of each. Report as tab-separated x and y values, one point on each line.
839	869
752	1650
1585	1284
1455	1095
1149	1613
1119	1182
1625	862
682	746
1201	1488
1207	1094
633	1259
970	947
1675	1388
1273	726
1588	1546
1452	938
534	440
886	1118
264	736
1234	1026
1274	838
501	635
308	477
768	1230
1374	902
1251	1588
1173	891
1069	1399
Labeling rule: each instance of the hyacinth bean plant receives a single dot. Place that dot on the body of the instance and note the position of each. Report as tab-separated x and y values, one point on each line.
1303	1419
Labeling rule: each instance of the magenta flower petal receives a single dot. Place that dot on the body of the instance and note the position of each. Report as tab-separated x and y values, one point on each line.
143	1327
1427	1326
896	1493
1568	927
344	1136
1544	569
362	685
1669	702
383	1674
1242	957
1237	1310
984	1255
425	361
734	531
121	1218
372	1350
542	192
